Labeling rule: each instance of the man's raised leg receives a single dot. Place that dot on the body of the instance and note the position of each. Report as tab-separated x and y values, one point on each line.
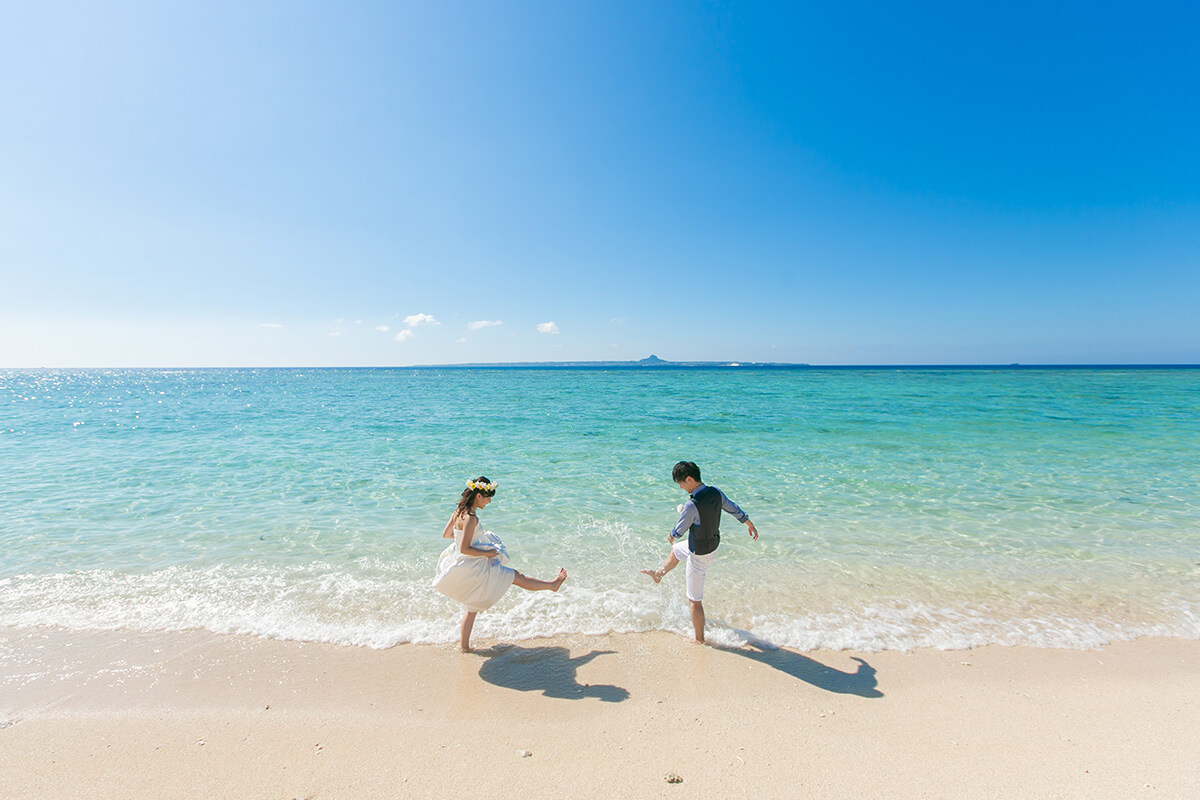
667	566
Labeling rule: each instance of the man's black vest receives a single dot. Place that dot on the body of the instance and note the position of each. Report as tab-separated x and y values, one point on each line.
704	536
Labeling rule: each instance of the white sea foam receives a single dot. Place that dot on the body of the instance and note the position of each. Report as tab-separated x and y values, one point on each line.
390	605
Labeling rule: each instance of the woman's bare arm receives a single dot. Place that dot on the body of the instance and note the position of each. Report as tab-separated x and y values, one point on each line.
468	534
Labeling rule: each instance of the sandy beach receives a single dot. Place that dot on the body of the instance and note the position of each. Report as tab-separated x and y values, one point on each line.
184	715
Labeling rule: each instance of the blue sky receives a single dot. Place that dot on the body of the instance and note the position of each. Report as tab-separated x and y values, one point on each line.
245	184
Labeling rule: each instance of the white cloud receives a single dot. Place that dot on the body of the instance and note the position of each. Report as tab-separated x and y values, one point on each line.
382	328
404	336
269	325
547	327
335	333
461	340
416	320
483	323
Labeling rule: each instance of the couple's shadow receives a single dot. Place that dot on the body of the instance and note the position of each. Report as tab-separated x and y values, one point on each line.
552	671
549	670
861	682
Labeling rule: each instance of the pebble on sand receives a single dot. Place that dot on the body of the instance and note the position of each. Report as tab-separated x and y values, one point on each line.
673	778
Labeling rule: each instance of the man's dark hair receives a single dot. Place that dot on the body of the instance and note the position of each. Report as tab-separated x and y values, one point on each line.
685	469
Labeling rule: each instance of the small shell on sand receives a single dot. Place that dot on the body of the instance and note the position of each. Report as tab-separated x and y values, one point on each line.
673	778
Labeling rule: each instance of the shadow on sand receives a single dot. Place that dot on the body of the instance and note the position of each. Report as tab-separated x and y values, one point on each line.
549	670
860	682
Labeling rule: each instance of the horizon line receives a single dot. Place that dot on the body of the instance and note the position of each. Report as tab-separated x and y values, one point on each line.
640	365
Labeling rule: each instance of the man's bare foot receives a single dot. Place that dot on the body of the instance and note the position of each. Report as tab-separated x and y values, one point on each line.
655	574
562	576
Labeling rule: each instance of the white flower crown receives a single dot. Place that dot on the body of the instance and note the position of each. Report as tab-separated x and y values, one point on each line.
482	487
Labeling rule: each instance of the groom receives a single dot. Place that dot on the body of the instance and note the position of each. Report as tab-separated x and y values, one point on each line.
700	520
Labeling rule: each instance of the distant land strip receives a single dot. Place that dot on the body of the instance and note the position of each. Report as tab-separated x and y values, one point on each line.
653	361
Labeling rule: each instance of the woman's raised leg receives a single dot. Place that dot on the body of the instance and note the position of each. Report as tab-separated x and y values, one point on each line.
535	585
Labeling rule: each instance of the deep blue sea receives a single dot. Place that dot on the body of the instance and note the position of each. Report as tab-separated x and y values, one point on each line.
898	508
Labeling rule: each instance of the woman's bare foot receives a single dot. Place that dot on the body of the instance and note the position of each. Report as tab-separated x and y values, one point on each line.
655	574
557	582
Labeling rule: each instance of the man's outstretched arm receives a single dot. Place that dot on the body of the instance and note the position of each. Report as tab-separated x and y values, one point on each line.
731	507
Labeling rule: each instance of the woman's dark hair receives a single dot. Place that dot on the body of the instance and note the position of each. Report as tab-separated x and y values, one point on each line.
468	496
685	469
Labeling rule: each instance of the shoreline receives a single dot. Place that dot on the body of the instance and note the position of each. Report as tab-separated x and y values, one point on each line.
173	715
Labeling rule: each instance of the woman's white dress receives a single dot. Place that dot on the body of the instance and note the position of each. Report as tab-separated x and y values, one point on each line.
475	581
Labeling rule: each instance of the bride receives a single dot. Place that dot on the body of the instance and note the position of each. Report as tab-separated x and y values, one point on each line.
471	569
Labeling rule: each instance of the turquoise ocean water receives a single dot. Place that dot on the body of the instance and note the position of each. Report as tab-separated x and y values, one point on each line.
898	508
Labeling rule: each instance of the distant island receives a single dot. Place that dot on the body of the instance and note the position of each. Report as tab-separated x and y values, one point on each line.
649	362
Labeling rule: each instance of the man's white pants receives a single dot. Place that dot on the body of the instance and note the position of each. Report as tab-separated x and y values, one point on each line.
697	568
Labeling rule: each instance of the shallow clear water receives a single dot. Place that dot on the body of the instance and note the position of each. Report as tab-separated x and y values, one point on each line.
898	508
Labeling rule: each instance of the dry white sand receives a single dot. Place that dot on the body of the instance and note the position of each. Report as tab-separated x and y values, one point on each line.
194	715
